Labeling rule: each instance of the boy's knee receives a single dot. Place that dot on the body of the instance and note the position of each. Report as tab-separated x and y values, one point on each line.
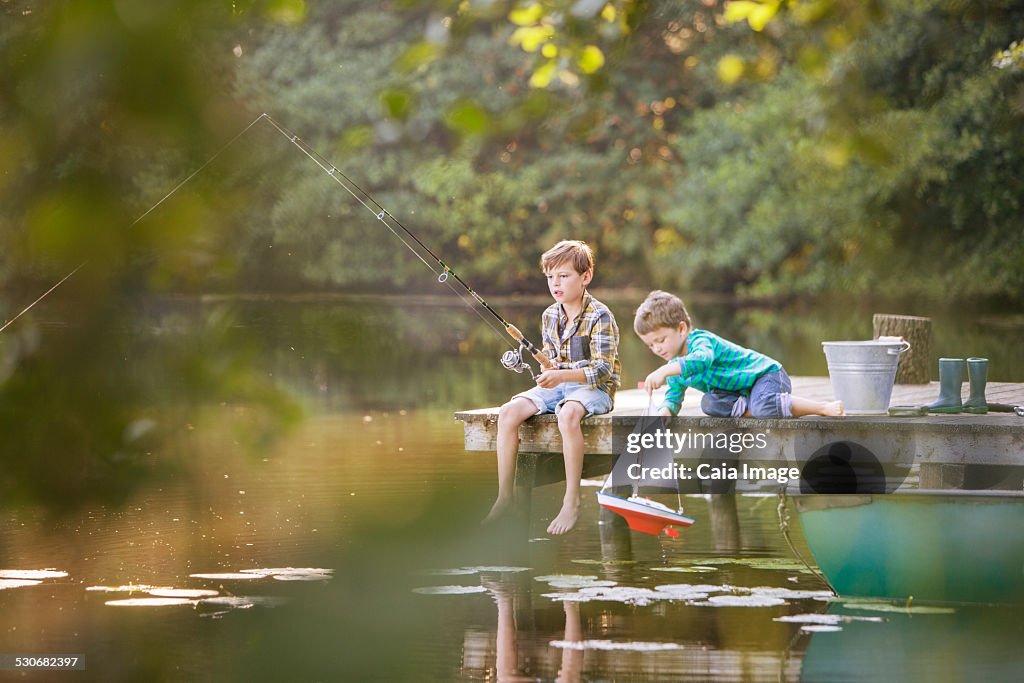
774	406
515	412
570	415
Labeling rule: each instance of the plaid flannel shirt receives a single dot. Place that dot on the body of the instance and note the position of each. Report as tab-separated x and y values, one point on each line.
590	342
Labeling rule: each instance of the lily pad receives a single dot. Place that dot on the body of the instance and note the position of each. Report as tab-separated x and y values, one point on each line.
582	584
767	563
127	588
17	583
696	569
564	578
301	577
229	576
744	601
625	594
825	619
150	602
611	563
889	607
449	590
568	597
696	588
182	593
633	646
291	571
820	628
789	593
489	569
32	574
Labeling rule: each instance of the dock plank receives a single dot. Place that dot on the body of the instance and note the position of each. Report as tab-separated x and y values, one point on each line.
994	439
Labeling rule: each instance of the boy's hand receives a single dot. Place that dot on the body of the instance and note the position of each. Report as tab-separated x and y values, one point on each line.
655	379
665	412
549	379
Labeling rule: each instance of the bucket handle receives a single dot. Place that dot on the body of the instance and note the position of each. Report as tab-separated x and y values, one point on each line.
897	352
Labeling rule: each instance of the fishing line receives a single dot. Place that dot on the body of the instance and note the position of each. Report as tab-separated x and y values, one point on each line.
380	213
513	359
43	296
134	222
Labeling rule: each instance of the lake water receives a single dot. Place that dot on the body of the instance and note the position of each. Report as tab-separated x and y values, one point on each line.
373	491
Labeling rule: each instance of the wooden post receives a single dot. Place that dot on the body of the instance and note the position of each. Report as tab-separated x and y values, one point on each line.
725	522
915	364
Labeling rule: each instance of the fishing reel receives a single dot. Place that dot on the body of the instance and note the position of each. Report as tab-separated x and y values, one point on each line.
513	360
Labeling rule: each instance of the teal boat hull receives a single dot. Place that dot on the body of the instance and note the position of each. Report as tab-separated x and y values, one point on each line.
936	546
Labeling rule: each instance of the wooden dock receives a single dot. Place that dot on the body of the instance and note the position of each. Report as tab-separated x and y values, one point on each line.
945	447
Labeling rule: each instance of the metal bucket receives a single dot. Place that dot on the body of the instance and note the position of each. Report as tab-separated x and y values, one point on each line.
863	372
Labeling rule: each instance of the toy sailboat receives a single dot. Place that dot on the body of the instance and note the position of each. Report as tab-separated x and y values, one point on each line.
643	514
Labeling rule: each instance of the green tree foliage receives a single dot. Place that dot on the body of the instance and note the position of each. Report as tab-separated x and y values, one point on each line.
899	174
849	147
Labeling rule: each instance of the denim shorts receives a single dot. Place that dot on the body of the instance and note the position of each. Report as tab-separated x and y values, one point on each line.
551	400
770	397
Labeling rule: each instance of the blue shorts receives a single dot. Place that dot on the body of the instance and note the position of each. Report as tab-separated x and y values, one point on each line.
770	397
594	400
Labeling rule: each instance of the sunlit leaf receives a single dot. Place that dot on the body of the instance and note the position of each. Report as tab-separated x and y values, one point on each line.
730	69
526	16
543	75
530	38
591	59
757	14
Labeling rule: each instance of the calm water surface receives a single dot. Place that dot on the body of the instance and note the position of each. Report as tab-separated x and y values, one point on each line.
374	485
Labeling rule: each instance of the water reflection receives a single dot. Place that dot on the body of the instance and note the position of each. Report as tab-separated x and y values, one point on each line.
375	485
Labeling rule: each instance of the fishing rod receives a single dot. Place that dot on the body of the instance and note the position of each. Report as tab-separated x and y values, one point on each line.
513	359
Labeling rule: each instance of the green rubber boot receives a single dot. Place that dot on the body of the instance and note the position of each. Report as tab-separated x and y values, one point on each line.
977	371
951	378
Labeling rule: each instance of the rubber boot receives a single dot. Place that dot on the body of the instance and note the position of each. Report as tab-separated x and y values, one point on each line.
951	378
977	371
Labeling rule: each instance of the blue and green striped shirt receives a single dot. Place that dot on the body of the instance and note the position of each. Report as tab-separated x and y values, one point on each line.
715	363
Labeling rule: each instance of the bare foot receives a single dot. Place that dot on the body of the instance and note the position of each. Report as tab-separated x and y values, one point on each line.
566	518
498	510
833	409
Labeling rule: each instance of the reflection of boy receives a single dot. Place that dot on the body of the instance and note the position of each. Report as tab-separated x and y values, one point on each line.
580	334
736	381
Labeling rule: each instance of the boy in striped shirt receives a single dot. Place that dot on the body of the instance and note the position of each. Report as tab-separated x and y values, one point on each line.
736	381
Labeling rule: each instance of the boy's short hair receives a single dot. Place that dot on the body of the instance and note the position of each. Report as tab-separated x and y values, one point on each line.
578	254
660	309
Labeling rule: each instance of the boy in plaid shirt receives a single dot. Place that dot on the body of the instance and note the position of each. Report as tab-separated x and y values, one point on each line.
580	335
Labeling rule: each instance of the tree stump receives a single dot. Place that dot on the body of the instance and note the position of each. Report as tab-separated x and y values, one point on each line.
915	364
